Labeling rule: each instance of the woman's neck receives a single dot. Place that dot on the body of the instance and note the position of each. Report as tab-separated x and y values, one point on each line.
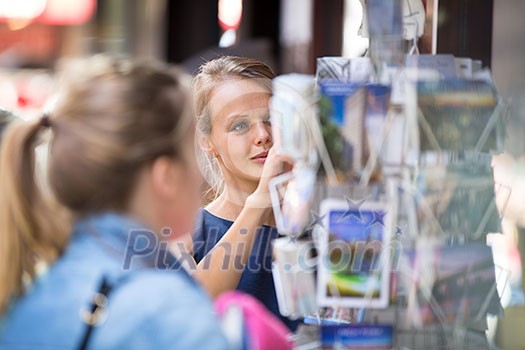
229	204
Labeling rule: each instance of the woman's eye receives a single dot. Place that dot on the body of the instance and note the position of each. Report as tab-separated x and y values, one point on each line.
239	126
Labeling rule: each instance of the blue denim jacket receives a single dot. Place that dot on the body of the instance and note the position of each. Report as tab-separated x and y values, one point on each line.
154	304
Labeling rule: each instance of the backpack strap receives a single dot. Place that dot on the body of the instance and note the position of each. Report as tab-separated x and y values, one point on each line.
96	313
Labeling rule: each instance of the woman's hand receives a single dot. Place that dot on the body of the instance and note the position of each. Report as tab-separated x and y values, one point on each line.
275	165
219	270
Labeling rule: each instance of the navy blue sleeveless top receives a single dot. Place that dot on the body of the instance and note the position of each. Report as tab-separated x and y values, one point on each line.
256	279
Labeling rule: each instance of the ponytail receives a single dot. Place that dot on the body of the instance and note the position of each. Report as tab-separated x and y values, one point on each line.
32	228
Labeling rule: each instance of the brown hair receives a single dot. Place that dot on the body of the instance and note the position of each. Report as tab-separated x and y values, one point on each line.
114	118
210	75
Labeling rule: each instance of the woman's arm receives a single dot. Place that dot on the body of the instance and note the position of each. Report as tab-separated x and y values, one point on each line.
220	270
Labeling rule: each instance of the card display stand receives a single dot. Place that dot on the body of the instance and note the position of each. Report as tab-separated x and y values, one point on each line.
441	197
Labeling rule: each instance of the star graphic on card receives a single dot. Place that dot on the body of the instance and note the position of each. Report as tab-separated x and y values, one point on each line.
378	218
316	220
400	230
352	207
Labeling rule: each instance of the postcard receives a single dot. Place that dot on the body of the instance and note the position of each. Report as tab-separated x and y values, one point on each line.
357	337
461	284
457	116
354	266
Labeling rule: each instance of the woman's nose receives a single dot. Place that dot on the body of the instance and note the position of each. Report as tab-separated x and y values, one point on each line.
264	134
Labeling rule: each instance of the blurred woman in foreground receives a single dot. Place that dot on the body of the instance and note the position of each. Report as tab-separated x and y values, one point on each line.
121	166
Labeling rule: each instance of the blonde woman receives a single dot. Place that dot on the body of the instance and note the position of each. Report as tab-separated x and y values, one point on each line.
232	241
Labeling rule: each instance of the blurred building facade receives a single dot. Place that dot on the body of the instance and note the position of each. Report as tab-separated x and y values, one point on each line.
287	34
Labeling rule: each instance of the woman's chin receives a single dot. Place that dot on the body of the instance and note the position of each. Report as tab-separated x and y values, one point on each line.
254	174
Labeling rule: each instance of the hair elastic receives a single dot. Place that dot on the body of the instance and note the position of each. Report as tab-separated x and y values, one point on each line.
44	121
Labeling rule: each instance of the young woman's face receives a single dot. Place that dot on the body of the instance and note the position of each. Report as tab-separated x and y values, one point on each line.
241	130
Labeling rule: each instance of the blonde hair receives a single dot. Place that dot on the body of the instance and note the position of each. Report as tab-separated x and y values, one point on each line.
210	75
113	119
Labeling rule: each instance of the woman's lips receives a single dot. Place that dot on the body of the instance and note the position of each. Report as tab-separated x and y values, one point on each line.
260	158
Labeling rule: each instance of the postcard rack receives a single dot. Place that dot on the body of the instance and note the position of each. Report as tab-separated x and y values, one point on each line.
441	202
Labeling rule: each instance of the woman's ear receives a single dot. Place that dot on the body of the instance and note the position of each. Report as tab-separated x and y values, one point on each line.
167	176
205	144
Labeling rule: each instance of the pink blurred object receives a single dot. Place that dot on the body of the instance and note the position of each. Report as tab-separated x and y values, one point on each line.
264	330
